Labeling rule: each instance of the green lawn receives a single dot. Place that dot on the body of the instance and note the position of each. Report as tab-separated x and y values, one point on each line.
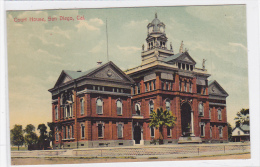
15	148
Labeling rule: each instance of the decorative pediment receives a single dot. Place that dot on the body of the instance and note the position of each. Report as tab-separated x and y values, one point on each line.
63	78
185	57
110	71
215	89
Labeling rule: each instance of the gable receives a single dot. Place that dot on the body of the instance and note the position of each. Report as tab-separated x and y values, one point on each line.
237	132
186	58
63	78
215	89
111	72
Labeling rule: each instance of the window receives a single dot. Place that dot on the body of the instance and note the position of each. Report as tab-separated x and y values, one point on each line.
154	85
201	112
169	132
179	65
180	86
152	131
72	132
82	131
220	129
150	86
238	133
167	86
56	113
68	129
120	130
210	132
132	88
151	106
219	114
183	66
170	84
168	105
137	109
71	110
65	112
99	106
56	134
68	111
204	90
138	88
185	87
100	130
162	85
81	106
145	84
190	87
64	132
191	67
202	129
210	113
119	107
187	66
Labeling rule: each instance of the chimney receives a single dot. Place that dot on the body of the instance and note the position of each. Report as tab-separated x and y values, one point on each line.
99	63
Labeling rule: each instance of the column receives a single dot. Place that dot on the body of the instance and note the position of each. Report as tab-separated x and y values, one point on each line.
192	125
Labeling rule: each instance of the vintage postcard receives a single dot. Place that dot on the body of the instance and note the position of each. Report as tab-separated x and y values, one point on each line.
128	84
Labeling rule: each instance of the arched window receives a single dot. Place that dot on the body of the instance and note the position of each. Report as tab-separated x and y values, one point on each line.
119	107
56	112
99	106
137	109
151	106
81	106
190	87
168	105
219	114
201	113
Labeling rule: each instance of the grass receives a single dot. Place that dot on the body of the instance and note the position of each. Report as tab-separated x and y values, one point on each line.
14	148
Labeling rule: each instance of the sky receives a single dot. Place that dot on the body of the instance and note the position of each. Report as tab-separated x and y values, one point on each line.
39	51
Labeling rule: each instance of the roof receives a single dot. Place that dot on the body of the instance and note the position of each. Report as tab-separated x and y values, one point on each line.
214	81
172	57
245	127
76	74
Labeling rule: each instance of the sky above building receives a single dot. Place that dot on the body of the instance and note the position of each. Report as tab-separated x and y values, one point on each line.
39	50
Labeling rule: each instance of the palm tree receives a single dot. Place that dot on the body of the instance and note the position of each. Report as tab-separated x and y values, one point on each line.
162	118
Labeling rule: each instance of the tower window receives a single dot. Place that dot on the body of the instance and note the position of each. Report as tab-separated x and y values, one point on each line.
191	67
187	66
179	65
183	66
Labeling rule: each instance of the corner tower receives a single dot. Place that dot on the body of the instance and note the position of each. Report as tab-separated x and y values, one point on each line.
156	43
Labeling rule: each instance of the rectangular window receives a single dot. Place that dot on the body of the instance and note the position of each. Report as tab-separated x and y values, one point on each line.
133	90
210	132
162	85
150	86
190	87
185	87
180	86
71	109
56	112
152	131
170	86
64	132
204	90
145	84
154	85
72	132
220	131
100	130
169	132
68	129
202	129
82	131
120	130
210	113
138	88
81	106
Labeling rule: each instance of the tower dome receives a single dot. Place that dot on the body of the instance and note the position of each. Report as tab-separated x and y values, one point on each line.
156	26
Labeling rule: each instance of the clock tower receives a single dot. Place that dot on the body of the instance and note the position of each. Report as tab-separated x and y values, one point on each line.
156	42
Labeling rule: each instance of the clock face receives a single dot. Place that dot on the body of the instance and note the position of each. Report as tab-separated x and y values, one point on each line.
213	89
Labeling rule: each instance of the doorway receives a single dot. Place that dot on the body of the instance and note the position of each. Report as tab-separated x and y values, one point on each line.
186	119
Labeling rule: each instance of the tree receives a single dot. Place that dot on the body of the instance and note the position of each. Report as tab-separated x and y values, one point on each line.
229	131
242	117
43	134
17	138
30	137
160	119
51	136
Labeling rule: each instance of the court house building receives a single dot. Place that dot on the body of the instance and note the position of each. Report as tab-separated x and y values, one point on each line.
106	106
